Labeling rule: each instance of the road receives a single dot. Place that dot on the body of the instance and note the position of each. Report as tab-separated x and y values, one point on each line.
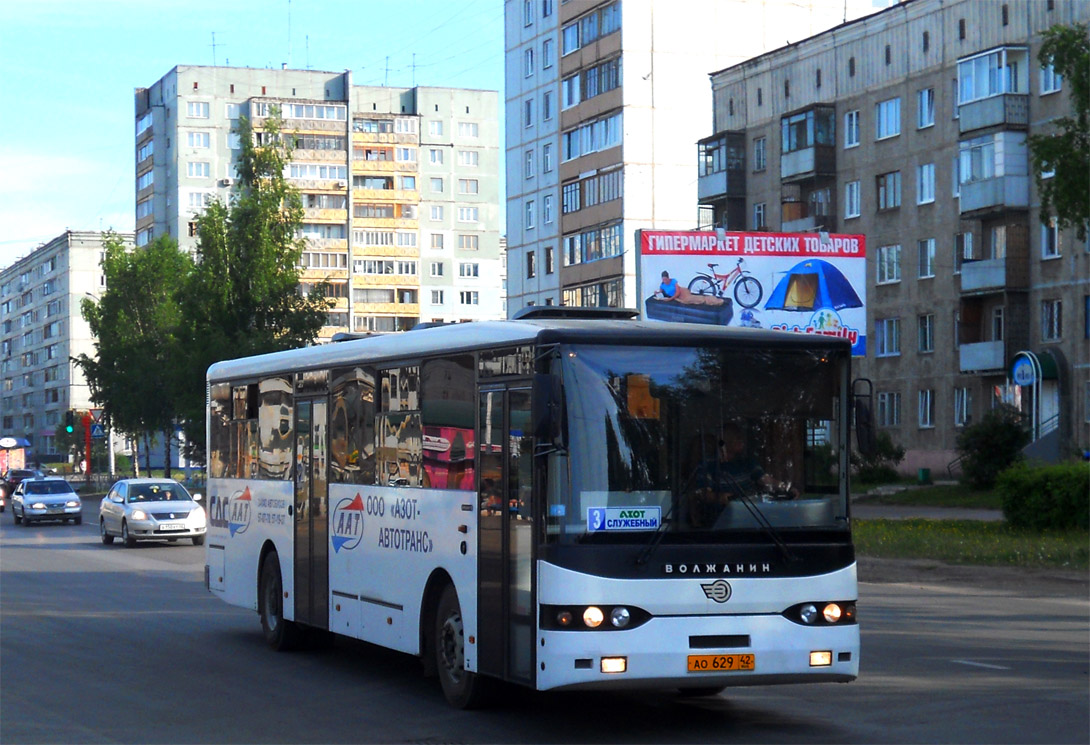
103	644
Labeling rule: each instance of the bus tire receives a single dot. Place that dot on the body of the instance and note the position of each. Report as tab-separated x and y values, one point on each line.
462	688
280	634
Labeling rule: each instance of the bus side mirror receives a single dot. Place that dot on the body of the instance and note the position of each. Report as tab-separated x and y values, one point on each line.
865	439
548	411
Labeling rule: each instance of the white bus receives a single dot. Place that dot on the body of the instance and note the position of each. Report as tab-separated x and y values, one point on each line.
566	500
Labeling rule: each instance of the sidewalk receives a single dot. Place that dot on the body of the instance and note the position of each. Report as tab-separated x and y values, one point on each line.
864	509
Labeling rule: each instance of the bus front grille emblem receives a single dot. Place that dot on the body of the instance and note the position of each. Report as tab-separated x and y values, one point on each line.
719	591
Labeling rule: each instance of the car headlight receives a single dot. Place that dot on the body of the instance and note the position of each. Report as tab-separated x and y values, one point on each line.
197	514
139	515
38	506
72	503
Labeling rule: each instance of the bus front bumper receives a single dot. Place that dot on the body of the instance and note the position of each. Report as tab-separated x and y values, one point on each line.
656	654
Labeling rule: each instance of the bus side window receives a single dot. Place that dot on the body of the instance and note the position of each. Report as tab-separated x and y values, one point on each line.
275	423
447	412
352	426
399	439
220	462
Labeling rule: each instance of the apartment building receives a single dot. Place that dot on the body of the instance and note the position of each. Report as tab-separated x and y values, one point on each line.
400	186
909	126
42	330
604	100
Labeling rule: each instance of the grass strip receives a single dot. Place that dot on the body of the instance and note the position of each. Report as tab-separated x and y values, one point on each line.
972	542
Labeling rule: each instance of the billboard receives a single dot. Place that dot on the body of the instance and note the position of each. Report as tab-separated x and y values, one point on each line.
808	283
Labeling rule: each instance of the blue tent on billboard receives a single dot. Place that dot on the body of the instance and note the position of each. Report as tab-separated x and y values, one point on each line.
813	284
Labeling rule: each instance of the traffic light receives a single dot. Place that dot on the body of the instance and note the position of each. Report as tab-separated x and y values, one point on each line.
69	421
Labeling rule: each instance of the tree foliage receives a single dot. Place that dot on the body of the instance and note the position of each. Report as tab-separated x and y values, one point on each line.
135	325
1066	151
243	296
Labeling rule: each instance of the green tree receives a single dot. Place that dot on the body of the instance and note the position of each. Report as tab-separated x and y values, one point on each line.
135	326
243	297
1066	151
991	445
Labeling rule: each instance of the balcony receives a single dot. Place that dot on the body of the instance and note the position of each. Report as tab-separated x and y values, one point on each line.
722	171
1009	111
808	163
992	195
982	356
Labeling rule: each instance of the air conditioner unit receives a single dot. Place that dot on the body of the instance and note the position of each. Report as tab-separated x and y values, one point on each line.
226	181
341	185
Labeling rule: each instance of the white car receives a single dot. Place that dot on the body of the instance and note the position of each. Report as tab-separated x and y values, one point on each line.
37	499
150	509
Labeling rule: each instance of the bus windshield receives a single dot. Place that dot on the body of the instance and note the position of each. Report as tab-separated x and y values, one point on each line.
698	440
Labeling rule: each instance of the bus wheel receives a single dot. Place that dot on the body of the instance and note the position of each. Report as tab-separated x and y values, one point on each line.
701	692
462	689
280	634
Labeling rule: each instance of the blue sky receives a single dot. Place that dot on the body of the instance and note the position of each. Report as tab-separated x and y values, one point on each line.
68	69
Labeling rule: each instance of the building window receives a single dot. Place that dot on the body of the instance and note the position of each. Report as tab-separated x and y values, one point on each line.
197	109
992	74
963	406
963	250
1051	81
469	214
851	199
547	106
531	265
546	8
926	413
436	212
887	118
527	12
1050	240
469	297
528	63
547	209
888	337
926	41
528	112
529	224
436	297
759	216
1052	326
198	169
925	183
889	190
435	156
469	242
436	268
889	409
926	251
851	67
528	164
469	269
469	129
198	139
925	108
926	336
760	154
437	241
468	186
547	158
469	158
436	185
550	261
435	128
547	54
569	92
889	264
851	129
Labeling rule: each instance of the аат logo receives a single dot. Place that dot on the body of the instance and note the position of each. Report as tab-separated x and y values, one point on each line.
347	524
238	520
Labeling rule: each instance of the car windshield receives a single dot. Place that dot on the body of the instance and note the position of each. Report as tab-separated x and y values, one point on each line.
693	440
22	474
167	492
47	487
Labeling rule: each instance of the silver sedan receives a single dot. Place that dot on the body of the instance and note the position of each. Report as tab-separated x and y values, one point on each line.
37	499
151	509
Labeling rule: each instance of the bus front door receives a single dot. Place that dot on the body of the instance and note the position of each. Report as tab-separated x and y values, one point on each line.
311	514
505	601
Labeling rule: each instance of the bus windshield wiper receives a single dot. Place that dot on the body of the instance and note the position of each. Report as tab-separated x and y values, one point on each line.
761	518
656	538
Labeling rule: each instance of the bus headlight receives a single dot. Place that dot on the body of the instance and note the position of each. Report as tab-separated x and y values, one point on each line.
563	618
593	617
808	613
620	617
832	613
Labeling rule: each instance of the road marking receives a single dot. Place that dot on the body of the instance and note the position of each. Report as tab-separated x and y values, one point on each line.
980	664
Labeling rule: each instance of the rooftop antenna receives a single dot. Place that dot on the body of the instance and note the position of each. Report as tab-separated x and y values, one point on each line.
289	33
386	80
308	51
414	69
214	45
